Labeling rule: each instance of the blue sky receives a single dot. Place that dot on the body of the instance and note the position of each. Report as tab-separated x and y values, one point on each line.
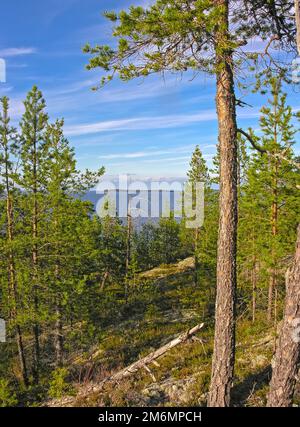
145	127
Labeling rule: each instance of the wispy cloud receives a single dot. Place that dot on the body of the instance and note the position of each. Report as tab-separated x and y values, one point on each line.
153	122
140	123
17	51
152	153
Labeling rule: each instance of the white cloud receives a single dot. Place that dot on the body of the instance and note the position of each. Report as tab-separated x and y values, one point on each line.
150	153
155	122
17	51
140	123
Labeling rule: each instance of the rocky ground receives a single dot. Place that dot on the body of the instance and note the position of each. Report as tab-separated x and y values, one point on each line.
181	377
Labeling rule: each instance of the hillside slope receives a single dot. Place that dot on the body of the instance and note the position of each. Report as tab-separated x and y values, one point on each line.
163	306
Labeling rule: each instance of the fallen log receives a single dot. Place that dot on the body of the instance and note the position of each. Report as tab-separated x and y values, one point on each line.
150	358
133	368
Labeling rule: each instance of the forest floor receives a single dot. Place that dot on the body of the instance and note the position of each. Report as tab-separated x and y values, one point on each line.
164	306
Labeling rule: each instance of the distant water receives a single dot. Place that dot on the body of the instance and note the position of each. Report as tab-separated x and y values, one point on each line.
142	204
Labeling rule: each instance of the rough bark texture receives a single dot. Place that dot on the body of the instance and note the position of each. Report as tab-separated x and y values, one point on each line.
196	256
59	335
274	225
224	344
297	16
36	331
254	290
128	252
287	355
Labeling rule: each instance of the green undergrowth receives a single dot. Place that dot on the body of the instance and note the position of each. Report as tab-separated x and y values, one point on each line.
161	311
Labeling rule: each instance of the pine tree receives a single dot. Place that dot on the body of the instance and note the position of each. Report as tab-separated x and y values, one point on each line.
278	137
178	36
198	173
167	240
67	224
111	250
9	150
145	248
33	154
269	202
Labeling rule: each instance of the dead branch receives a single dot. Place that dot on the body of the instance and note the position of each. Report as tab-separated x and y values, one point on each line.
135	367
132	369
261	150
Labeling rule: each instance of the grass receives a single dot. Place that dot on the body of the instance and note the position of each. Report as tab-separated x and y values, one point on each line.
158	310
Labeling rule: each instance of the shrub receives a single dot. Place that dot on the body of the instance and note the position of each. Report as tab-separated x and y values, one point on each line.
7	395
58	386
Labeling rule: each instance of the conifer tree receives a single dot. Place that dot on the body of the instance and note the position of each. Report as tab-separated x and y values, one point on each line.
177	36
8	152
33	153
167	240
67	225
198	173
145	249
269	204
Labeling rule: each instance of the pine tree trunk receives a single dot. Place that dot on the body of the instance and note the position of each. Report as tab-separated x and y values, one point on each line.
254	290
270	296
11	273
196	256
128	242
128	251
287	357
297	17
22	359
59	336
59	339
19	338
224	343
274	224
36	331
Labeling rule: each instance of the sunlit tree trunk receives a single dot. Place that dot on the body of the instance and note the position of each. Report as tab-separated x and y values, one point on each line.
274	232
287	357
297	17
224	343
36	331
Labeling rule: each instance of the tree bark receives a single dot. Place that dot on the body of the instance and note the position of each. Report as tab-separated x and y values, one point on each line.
254	290
59	339
287	357
36	331
59	335
274	225
196	256
128	251
128	239
224	343
13	290
297	17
